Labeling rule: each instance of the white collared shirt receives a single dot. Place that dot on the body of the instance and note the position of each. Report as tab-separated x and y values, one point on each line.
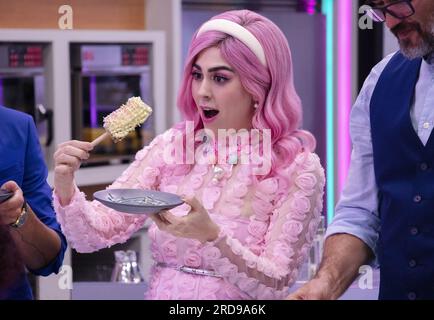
357	209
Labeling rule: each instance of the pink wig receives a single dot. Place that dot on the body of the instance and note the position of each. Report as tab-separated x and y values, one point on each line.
272	86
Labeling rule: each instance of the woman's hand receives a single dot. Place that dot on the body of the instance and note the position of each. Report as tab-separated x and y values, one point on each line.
67	160
197	224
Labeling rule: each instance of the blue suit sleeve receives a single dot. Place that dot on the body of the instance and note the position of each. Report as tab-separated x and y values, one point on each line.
38	195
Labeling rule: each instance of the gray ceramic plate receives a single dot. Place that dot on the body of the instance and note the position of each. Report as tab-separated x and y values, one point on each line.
137	201
4	195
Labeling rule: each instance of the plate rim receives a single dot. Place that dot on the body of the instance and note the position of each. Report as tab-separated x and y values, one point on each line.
138	205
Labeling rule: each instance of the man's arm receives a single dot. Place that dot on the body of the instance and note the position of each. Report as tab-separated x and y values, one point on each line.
342	258
37	244
40	238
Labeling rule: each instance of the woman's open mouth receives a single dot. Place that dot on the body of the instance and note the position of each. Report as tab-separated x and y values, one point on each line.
209	114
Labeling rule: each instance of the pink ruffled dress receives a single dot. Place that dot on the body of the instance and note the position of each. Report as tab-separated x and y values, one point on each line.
266	228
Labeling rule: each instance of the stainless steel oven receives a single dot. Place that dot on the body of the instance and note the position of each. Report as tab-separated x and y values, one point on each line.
22	85
104	76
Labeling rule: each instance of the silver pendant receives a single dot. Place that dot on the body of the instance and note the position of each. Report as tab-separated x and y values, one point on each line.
218	174
233	159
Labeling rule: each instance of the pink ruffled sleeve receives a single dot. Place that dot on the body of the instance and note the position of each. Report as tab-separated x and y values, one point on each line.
90	226
266	269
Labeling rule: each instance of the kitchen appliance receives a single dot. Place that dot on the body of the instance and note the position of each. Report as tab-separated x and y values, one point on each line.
22	85
103	77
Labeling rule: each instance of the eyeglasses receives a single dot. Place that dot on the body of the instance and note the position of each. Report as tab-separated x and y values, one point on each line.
399	9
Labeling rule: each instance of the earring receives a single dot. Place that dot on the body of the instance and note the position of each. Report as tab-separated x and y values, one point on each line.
256	105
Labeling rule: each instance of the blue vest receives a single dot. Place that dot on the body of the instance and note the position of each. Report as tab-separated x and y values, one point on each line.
404	172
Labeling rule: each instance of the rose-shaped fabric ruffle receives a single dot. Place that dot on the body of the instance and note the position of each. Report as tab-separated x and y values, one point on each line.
210	196
196	181
306	182
237	190
209	255
247	284
225	268
268	186
292	230
141	154
245	174
192	259
169	249
233	293
301	205
230	210
257	228
88	226
148	177
262	209
169	188
306	162
184	282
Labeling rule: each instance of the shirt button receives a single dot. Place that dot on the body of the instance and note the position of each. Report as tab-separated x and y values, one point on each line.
417	199
411	296
426	125
424	166
414	231
412	263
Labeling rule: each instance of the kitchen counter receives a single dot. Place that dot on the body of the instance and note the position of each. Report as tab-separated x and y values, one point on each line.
124	291
108	291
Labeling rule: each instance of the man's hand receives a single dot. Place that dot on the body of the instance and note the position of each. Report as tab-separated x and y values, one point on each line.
315	289
343	255
10	210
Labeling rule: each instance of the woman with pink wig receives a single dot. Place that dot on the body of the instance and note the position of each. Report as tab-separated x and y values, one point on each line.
251	183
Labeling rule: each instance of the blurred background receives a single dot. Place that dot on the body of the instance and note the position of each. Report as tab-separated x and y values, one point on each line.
70	63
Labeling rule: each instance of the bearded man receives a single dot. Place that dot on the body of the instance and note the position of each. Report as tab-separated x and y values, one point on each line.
385	211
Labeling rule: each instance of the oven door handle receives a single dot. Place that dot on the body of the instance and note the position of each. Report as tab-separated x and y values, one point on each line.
49	118
47	115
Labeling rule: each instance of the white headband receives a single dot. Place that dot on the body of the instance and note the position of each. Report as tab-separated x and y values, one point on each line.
237	31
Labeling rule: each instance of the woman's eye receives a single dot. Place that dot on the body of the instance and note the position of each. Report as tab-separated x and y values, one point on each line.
220	79
196	75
